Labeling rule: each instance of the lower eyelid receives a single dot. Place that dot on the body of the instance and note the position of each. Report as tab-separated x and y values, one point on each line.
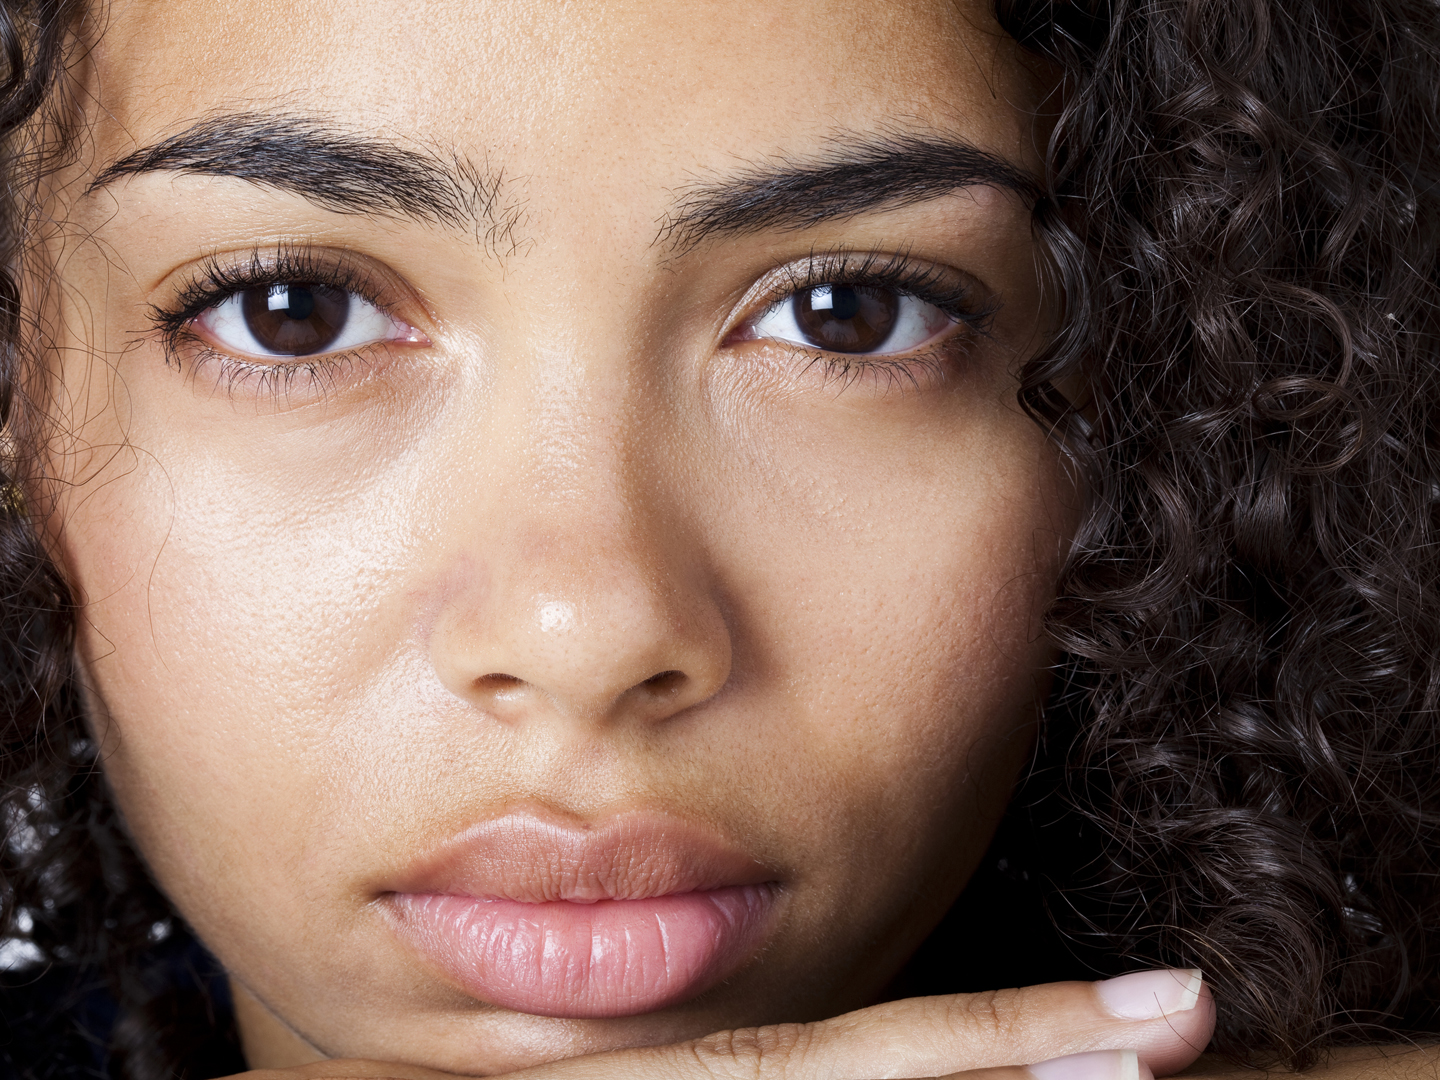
298	381
288	381
918	372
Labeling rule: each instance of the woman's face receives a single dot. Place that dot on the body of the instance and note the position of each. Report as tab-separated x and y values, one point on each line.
560	550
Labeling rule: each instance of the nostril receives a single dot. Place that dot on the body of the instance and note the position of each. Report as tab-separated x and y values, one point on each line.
666	682
498	683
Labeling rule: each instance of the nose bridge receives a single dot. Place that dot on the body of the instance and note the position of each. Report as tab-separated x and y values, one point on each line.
583	501
592	604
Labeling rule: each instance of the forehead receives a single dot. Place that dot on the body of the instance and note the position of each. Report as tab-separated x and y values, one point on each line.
616	86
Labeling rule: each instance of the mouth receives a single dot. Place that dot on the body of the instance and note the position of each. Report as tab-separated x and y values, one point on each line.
585	920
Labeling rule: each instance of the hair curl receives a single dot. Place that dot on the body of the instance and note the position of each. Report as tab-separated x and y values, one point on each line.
1241	212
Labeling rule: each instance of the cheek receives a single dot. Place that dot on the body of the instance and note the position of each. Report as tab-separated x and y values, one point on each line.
893	600
229	628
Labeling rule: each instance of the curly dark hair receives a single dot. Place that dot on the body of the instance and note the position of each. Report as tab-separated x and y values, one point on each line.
1240	768
1244	217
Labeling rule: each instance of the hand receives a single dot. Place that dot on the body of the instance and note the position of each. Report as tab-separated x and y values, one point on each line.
1164	1018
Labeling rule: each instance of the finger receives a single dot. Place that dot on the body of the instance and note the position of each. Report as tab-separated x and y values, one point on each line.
347	1069
1094	1065
1166	1016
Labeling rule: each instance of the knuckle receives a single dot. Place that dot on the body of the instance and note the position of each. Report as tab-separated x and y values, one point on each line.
752	1053
991	1014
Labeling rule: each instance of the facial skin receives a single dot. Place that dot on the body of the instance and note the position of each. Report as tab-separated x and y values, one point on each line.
580	545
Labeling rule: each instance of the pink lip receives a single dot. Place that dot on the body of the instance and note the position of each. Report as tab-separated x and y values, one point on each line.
579	920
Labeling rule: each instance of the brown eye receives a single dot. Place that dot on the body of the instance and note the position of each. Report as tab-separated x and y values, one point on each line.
856	320
295	318
846	318
298	318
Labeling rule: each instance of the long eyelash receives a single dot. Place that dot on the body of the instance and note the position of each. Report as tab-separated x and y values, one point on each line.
895	271
899	373
214	282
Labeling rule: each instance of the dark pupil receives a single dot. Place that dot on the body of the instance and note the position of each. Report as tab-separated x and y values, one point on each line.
296	318
847	318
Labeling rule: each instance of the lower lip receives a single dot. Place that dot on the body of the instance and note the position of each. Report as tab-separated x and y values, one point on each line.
608	958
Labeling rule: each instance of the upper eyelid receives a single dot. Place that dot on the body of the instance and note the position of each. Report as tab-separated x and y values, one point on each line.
851	268
783	281
200	285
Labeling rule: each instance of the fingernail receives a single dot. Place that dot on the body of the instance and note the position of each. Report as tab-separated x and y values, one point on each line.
1149	995
1096	1065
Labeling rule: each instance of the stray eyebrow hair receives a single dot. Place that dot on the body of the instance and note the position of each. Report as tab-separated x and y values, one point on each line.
864	176
336	169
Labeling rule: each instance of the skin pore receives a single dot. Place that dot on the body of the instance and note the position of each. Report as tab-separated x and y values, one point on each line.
576	534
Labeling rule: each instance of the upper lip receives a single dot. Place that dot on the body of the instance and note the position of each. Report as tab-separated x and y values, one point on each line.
536	857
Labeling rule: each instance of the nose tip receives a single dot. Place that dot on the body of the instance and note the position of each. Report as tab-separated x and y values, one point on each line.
556	615
631	652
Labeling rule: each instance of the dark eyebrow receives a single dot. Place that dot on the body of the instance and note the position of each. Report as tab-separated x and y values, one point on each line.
336	169
861	176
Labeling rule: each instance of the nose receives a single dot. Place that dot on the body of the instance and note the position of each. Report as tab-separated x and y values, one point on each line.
583	602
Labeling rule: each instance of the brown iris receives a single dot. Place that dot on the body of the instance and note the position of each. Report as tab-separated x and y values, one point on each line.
847	318
295	318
